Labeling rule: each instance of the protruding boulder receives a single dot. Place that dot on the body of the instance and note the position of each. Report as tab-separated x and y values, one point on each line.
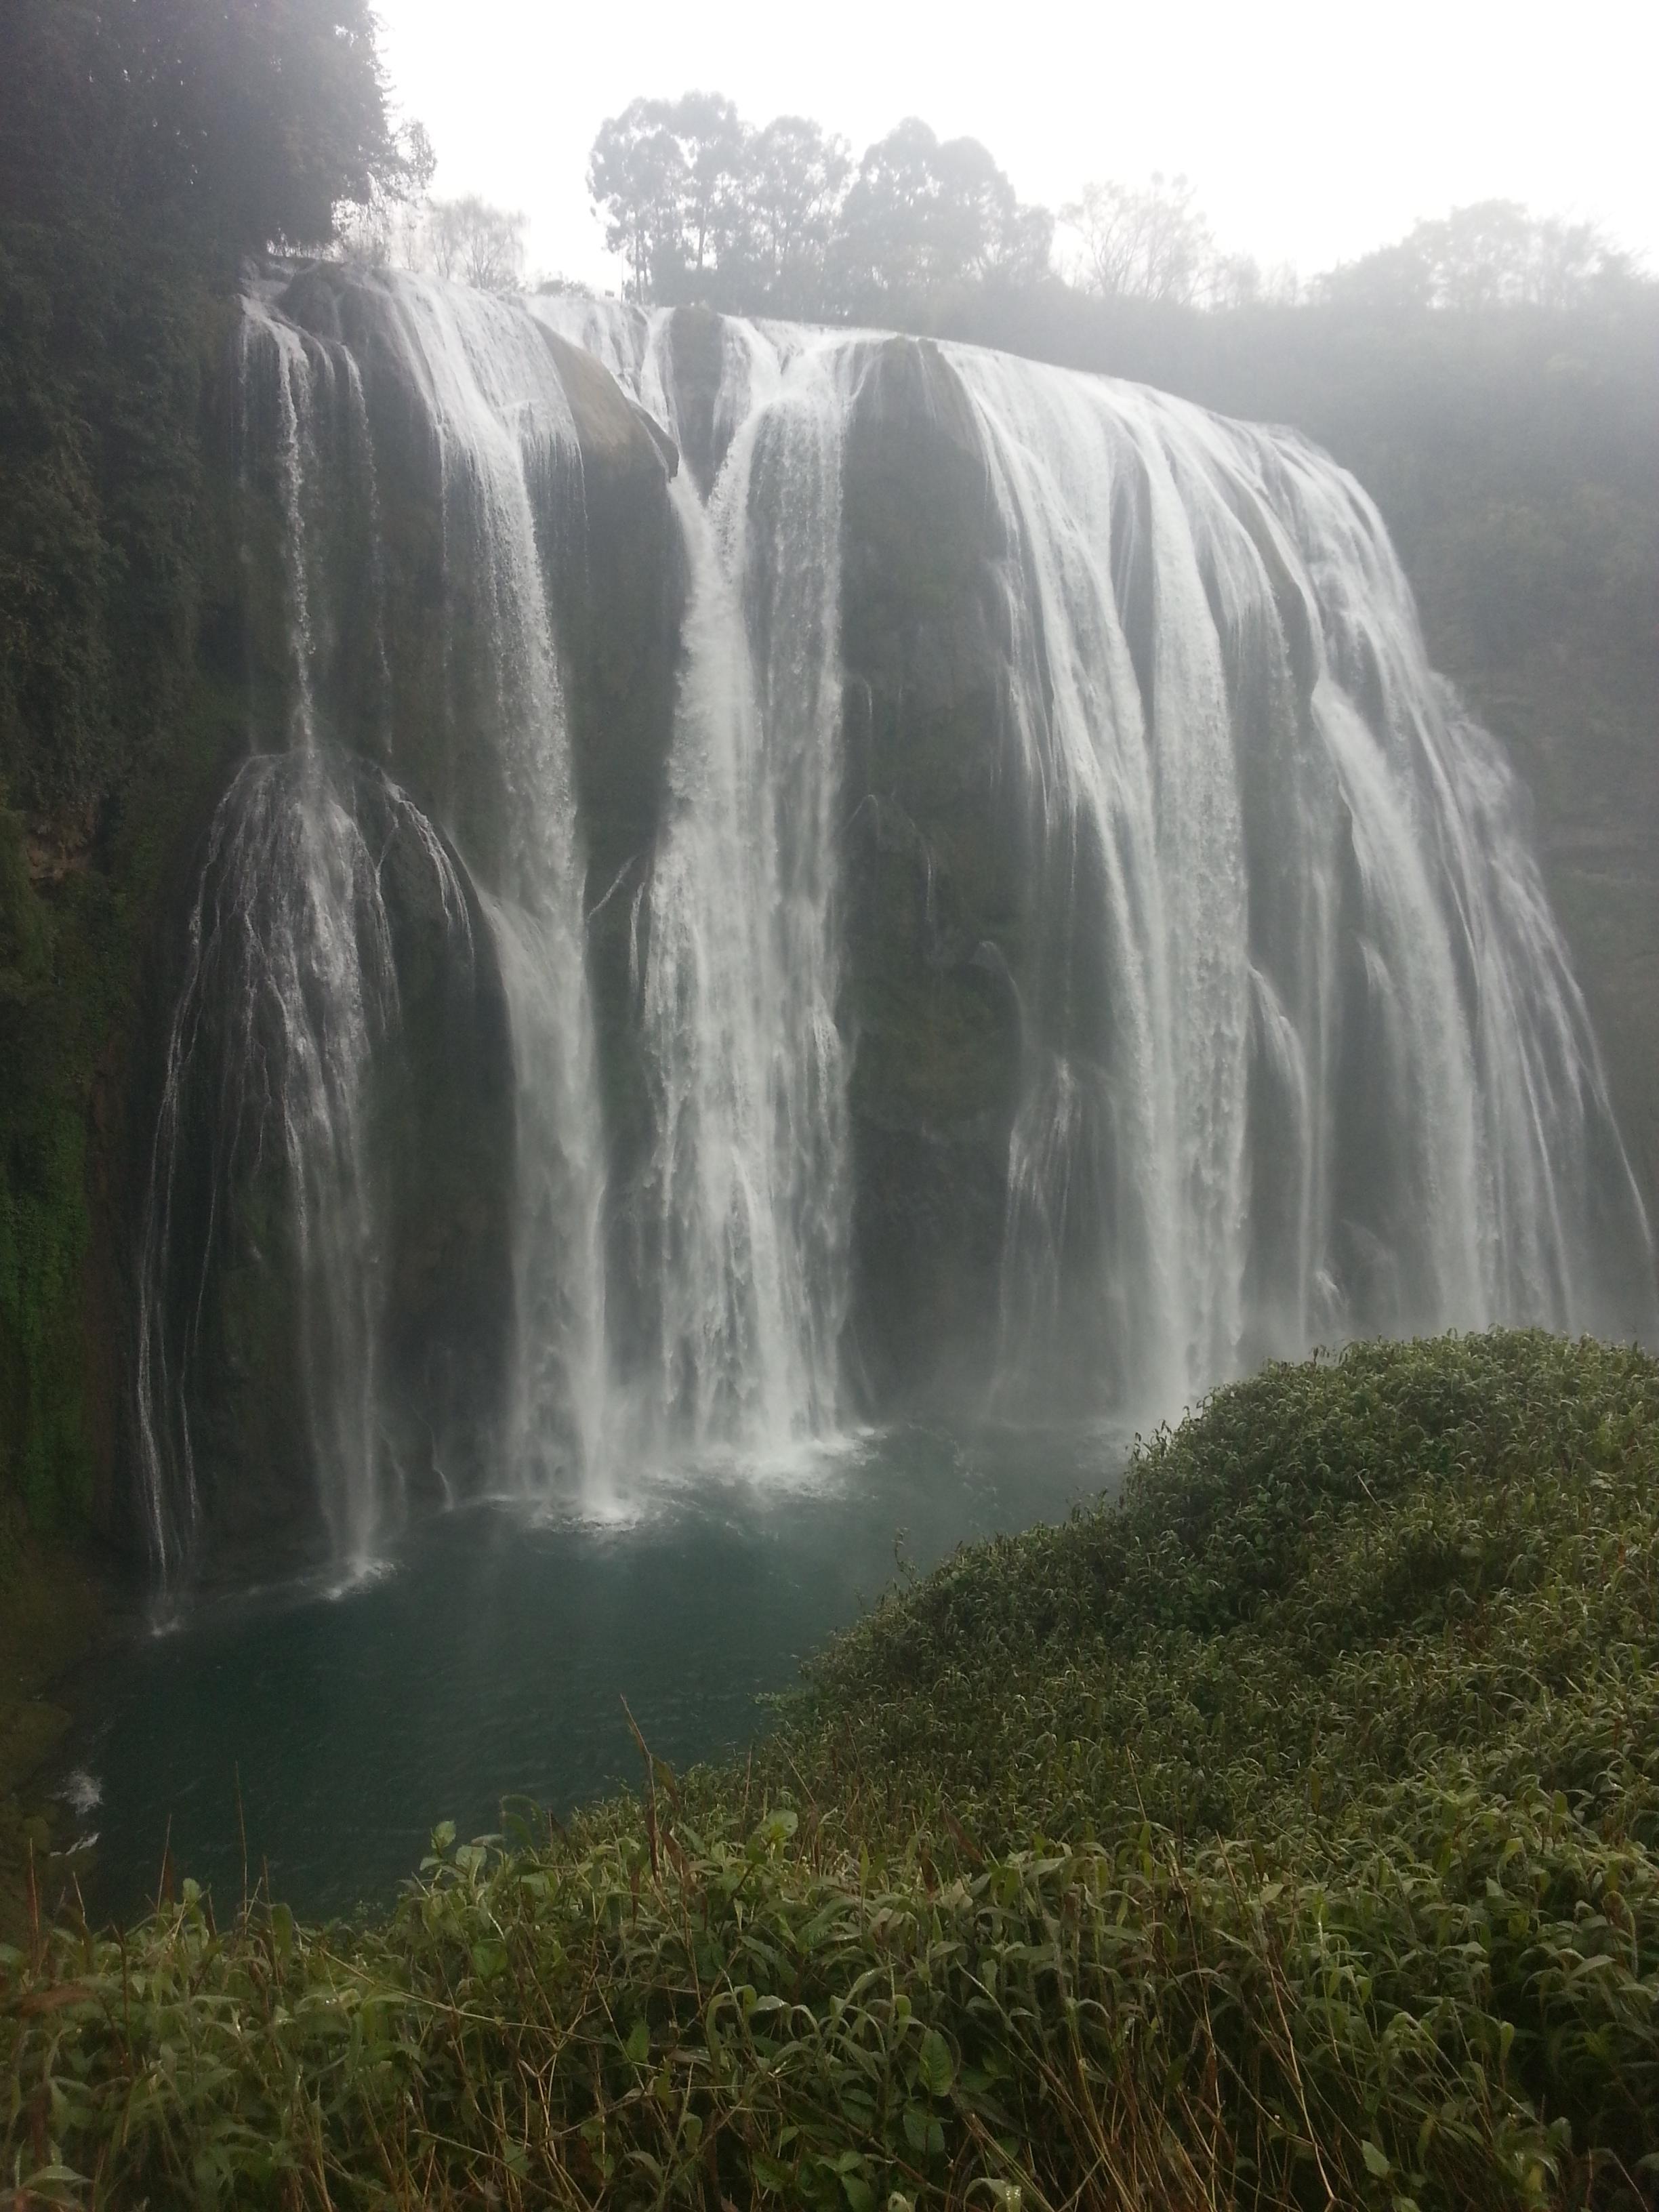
696	366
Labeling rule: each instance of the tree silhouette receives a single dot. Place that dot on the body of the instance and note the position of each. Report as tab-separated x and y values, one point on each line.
1147	242
925	214
1492	254
470	242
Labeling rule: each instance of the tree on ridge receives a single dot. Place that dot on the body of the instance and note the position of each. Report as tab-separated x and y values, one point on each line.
1141	243
470	242
1493	253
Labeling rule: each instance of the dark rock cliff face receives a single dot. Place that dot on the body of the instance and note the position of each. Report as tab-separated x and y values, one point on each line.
934	883
696	359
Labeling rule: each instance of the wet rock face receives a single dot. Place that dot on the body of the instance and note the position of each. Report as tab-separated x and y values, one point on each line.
622	597
696	362
934	914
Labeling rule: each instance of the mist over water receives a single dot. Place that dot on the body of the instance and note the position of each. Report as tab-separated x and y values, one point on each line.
1301	1056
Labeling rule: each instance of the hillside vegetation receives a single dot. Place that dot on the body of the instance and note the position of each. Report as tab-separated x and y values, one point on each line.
1287	1833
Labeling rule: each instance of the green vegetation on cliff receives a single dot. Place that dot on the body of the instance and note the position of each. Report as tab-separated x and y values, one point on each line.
141	151
1287	1833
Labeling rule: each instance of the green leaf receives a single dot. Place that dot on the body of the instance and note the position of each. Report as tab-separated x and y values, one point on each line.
773	1831
1377	2160
282	1930
638	2045
935	2065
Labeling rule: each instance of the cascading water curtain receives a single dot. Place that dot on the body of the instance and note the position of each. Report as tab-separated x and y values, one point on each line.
1304	1056
264	1234
262	1161
1300	1054
510	469
744	1235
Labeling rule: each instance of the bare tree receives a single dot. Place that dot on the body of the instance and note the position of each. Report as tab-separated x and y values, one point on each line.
1148	242
470	242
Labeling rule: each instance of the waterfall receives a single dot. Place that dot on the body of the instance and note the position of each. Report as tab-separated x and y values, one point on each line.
288	1007
1304	1055
264	1139
744	1229
749	1174
1297	1053
510	473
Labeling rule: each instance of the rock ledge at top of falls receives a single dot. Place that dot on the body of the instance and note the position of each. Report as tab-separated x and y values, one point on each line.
328	299
696	353
609	423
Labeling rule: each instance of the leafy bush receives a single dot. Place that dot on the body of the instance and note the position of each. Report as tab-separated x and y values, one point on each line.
1287	1833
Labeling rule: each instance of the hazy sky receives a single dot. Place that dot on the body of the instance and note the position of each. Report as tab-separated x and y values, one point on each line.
1313	131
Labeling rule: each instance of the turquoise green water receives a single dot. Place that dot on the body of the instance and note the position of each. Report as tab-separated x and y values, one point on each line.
490	1655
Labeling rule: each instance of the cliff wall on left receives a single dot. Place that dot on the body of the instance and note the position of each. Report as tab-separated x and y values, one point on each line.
141	151
116	721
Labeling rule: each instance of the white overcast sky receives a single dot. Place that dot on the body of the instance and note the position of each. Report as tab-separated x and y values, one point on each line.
1312	130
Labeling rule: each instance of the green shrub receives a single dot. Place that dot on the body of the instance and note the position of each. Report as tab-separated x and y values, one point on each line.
1285	1834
